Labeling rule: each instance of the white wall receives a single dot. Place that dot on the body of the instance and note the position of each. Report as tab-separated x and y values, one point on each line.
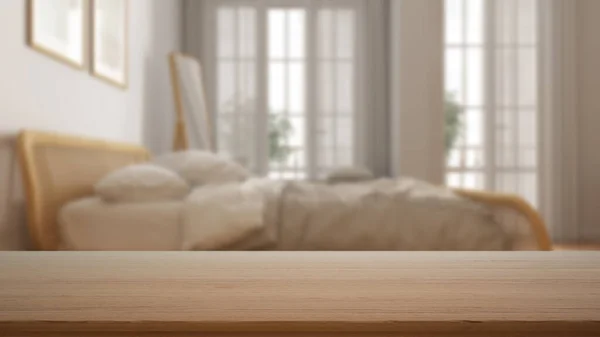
37	92
589	118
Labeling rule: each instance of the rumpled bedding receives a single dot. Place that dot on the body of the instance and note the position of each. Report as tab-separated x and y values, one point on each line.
380	215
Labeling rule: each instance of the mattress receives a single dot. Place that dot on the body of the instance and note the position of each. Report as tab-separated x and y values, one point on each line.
93	225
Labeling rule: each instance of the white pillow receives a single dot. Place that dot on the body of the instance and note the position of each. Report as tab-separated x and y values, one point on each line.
203	168
141	183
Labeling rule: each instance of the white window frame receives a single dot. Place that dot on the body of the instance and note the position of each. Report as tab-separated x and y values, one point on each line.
210	61
490	169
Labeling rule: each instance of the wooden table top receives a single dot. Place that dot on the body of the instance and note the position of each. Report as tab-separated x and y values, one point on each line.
221	291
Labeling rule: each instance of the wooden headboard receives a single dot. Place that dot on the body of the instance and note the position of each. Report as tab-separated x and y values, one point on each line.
59	168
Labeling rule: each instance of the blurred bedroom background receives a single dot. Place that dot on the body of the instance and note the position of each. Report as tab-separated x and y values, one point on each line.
494	95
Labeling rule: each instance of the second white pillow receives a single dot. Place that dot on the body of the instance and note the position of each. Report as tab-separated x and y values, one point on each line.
203	168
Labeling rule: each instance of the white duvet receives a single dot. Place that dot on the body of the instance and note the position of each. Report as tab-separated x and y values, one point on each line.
384	214
260	214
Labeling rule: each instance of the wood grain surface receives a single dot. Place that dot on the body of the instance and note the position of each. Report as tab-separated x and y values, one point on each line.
527	293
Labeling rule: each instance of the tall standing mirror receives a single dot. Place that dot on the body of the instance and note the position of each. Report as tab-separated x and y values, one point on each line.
193	128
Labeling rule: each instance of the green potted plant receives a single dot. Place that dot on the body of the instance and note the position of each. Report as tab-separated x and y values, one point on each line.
280	129
453	122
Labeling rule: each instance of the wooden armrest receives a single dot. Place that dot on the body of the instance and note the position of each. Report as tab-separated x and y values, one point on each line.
518	204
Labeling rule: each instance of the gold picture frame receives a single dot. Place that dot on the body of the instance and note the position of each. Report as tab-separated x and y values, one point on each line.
58	29
109	41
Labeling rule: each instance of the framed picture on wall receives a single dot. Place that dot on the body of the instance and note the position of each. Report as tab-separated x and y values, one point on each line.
57	28
109	41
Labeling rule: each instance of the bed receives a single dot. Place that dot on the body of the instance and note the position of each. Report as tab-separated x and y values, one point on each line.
58	169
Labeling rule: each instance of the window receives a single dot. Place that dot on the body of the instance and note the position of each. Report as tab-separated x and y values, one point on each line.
492	95
287	93
237	92
336	88
286	90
